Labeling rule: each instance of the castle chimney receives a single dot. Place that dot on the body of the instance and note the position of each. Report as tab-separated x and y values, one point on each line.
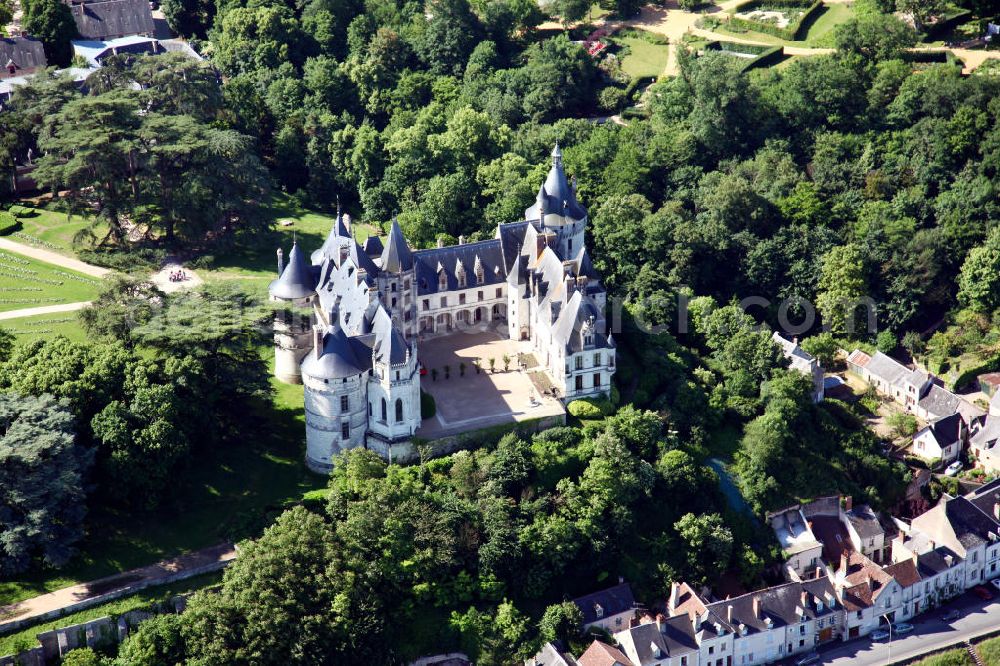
440	242
539	244
317	341
569	285
661	622
461	239
843	562
729	614
281	261
756	608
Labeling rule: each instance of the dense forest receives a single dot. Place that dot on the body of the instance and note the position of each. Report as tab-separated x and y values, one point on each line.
832	180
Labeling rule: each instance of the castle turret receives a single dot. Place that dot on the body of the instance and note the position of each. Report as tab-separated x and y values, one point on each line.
557	209
295	286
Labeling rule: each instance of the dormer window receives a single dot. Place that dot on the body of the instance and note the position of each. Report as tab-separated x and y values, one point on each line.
461	279
480	275
442	281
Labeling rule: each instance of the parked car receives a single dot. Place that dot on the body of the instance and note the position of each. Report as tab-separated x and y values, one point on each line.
804	660
995	583
982	592
902	628
879	635
950	616
953	468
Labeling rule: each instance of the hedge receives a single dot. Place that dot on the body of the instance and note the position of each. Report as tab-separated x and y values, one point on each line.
428	408
635	84
946	23
590	408
765	55
8	223
791	32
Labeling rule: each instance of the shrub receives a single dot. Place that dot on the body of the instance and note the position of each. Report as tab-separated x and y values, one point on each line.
428	408
143	259
791	32
611	98
204	262
8	223
584	408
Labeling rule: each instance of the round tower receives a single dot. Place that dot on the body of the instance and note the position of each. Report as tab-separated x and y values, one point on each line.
558	211
295	286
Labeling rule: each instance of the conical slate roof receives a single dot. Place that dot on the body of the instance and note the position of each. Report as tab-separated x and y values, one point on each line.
555	196
337	359
337	237
396	256
296	280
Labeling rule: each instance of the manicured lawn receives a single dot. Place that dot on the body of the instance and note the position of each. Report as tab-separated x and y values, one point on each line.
29	283
50	229
21	640
989	650
949	658
48	325
257	261
644	57
819	35
229	493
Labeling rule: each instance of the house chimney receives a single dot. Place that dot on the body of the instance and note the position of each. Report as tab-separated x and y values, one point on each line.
996	510
317	341
440	242
848	502
843	563
461	239
729	614
804	597
675	590
539	244
948	559
661	622
281	261
756	608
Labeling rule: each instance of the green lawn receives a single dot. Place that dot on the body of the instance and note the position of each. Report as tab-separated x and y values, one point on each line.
820	34
644	58
49	229
257	261
16	642
48	325
230	493
29	283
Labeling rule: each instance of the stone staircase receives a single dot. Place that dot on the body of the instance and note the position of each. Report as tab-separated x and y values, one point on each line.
974	653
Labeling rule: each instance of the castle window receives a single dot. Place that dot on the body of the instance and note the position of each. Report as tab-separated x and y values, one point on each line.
406	285
343	403
345	430
427	304
588	340
442	281
499	293
461	299
384	417
397	375
579	363
444	301
597	359
479	296
480	276
393	301
461	278
392	287
569	245
369	409
399	410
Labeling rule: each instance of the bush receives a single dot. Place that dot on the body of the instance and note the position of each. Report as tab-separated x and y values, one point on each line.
204	262
143	259
790	32
585	408
428	408
8	223
611	99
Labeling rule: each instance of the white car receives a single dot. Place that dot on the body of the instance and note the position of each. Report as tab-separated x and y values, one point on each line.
879	635
953	468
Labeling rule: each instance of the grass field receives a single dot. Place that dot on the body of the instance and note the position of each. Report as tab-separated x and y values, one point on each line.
644	57
50	229
21	640
48	325
820	34
29	283
230	493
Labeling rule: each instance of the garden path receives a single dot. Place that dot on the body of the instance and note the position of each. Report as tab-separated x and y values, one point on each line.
53	258
42	310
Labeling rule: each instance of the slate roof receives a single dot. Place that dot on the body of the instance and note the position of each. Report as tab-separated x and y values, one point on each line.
971	526
555	195
865	522
791	349
612	601
947	430
939	402
905	573
578	313
338	237
782	605
427	263
396	256
934	561
373	246
113	18
551	655
511	237
602	654
341	357
672	637
24	53
986	497
296	279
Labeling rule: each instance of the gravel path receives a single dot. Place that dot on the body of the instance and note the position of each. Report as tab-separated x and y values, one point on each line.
45	309
53	258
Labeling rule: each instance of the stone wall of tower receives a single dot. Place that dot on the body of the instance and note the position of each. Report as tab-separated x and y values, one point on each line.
398	298
569	232
292	341
326	418
391	384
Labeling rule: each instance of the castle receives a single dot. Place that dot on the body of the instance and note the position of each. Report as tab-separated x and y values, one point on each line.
368	306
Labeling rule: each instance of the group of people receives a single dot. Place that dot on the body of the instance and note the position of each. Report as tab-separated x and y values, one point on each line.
178	276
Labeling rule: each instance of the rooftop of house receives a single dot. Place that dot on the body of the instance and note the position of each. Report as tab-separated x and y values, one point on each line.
666	637
781	605
865	522
606	603
892	371
112	18
833	535
792	531
602	654
906	573
946	430
23	55
552	654
861	580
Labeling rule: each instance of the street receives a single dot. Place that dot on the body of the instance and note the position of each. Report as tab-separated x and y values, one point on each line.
929	634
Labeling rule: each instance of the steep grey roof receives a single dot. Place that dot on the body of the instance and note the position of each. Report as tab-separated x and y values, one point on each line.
551	655
947	430
373	246
362	260
939	402
780	604
337	238
555	195
791	349
511	242
339	357
577	312
933	562
296	280
389	342
396	257
25	53
972	527
676	637
427	263
113	18
887	368
612	601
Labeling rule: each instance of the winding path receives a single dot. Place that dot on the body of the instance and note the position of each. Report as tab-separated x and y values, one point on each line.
53	258
43	310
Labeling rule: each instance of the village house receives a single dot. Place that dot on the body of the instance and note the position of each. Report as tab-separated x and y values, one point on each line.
802	361
890	377
663	642
942	439
612	609
112	19
601	654
984	444
966	530
551	654
870	595
802	550
868	533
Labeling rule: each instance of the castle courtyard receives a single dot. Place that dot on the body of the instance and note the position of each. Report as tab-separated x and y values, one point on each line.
479	400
